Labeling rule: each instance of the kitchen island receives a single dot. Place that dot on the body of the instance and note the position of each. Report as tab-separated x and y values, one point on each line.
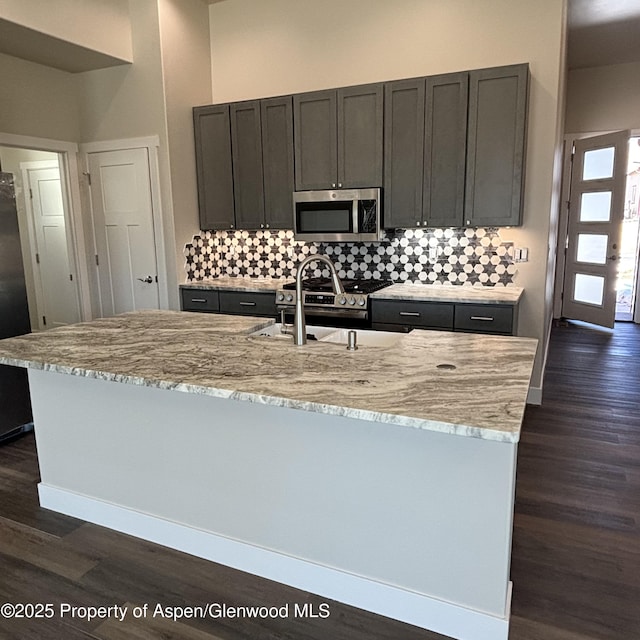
383	478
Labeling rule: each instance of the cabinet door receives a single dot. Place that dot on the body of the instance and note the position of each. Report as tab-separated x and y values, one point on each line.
360	131
496	146
213	166
277	162
315	126
403	153
445	143
246	147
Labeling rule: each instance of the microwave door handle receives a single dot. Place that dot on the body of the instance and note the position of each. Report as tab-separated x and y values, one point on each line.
354	214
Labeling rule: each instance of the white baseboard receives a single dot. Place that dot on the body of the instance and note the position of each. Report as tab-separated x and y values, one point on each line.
407	606
534	396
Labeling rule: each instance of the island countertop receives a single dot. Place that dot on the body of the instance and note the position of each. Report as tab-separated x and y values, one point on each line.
484	396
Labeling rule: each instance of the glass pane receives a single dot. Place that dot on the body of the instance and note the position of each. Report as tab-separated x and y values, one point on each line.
598	164
595	206
592	248
589	289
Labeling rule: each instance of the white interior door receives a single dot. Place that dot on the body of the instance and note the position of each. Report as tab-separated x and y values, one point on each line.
596	207
123	221
56	290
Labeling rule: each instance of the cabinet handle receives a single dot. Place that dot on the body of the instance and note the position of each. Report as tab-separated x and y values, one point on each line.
266	226
413	314
483	318
333	184
340	184
417	223
247	304
198	299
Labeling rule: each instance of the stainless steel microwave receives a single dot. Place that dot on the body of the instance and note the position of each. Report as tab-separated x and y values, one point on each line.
341	215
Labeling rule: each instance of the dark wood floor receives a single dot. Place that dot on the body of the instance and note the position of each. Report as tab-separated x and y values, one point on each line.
576	555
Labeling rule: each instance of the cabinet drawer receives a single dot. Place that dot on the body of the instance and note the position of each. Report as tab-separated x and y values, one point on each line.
484	318
199	300
248	304
425	315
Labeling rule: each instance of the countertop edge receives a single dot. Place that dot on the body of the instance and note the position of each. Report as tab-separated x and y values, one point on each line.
279	401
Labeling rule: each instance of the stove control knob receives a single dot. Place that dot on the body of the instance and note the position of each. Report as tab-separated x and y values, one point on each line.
289	298
280	297
342	300
361	302
352	300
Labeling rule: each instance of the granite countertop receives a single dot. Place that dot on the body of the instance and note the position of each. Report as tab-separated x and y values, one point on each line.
232	283
450	293
424	292
483	397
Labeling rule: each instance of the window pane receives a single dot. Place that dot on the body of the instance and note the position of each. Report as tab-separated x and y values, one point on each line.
592	248
595	206
589	289
598	164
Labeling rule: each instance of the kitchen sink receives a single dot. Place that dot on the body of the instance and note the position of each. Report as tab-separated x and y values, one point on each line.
274	331
364	337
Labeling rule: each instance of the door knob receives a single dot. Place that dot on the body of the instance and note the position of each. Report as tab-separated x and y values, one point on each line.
148	279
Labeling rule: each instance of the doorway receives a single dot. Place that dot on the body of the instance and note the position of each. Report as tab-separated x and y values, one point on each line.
627	298
596	276
46	235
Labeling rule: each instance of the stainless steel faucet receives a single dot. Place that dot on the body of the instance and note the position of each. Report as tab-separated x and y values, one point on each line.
300	327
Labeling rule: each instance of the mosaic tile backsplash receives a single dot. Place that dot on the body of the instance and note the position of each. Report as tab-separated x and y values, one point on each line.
429	256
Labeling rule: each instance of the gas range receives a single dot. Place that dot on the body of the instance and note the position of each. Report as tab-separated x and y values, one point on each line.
320	300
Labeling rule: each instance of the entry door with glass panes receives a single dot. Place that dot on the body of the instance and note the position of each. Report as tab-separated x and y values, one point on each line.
595	225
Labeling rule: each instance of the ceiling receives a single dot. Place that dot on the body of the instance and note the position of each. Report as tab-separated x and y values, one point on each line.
603	32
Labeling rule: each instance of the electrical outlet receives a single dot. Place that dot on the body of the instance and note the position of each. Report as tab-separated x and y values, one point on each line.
433	254
521	254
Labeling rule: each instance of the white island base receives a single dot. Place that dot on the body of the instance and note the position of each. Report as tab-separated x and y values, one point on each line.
409	523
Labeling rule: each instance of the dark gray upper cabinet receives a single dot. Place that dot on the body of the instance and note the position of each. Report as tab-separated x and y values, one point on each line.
445	143
360	128
246	147
213	166
496	146
403	152
338	138
277	156
244	162
316	140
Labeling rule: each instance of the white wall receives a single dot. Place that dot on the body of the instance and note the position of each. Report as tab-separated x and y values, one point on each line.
98	25
186	64
603	98
262	49
37	101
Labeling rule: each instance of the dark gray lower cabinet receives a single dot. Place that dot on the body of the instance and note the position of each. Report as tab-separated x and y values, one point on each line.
401	315
248	303
203	300
485	318
496	146
244	303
